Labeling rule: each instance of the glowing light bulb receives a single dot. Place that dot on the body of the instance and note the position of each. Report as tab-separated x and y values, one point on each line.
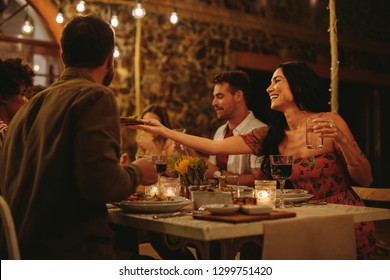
174	17
60	16
117	53
27	27
139	11
80	7
114	21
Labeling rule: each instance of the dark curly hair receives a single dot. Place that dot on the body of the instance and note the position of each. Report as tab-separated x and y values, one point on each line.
308	95
13	74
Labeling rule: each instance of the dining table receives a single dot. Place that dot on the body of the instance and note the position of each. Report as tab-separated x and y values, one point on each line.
331	224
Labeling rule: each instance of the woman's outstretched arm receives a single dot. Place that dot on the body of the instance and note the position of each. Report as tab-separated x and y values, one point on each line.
231	145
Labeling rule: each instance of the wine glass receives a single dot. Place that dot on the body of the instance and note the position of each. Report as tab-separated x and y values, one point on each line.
161	165
281	170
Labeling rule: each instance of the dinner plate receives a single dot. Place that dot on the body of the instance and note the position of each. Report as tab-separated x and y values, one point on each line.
301	198
153	206
222	209
291	193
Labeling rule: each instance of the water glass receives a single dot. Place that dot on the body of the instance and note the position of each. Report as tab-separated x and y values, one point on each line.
314	141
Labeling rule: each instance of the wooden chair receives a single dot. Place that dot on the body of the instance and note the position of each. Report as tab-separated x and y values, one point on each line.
378	197
9	230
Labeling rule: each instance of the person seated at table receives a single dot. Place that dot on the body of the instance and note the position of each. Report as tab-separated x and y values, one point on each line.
61	163
296	95
149	144
230	96
15	79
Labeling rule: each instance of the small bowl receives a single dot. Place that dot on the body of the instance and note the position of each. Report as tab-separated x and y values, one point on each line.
222	209
256	209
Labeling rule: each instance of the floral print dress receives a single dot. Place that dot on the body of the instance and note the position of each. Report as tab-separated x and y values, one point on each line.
326	177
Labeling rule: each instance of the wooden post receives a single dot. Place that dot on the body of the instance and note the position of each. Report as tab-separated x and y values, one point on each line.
334	69
137	75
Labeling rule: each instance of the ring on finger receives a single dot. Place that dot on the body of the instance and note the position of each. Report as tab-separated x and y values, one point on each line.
331	125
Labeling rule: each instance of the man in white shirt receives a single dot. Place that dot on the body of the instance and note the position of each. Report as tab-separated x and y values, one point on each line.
231	91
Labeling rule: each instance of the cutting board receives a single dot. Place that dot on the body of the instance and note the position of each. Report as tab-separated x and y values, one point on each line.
243	218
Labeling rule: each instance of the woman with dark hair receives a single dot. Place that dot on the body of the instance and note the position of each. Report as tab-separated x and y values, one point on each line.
149	144
328	173
15	79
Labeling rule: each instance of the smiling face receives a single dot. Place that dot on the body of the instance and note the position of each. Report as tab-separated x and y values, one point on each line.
224	101
279	91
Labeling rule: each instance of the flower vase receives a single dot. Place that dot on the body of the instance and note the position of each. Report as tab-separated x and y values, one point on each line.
184	191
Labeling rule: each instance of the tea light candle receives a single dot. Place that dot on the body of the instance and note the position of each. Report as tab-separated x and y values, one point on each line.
151	191
170	191
265	192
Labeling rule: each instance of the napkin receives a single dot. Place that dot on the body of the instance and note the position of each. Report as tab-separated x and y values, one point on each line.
310	238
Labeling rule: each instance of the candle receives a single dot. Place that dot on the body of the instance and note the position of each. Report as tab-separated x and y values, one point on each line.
151	191
265	191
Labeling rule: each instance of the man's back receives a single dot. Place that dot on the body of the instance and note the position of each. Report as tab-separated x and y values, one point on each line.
66	145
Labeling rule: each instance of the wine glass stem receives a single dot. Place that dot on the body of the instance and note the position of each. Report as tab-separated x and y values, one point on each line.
281	182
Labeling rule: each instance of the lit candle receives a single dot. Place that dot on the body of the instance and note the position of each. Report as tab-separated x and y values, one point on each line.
151	191
265	192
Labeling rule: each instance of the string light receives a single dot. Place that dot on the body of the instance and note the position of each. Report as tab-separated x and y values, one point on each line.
117	53
60	16
174	18
27	27
138	11
114	21
80	7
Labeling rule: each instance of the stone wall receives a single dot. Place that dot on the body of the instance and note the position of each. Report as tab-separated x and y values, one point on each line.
178	61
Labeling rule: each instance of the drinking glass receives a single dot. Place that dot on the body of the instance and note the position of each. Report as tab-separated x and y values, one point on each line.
281	170
161	165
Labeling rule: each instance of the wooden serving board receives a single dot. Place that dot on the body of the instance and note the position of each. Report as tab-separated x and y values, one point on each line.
243	218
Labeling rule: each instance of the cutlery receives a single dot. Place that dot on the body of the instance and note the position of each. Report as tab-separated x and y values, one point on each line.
310	203
168	215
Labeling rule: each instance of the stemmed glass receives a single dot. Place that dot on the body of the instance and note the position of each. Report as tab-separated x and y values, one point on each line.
161	166
281	170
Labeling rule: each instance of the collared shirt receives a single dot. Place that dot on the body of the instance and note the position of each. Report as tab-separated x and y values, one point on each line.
240	164
60	166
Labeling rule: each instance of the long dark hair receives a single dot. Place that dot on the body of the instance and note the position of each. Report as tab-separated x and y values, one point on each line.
308	95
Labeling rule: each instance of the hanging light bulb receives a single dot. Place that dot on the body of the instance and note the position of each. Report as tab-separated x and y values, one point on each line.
117	53
174	18
27	27
139	11
80	7
60	16
114	21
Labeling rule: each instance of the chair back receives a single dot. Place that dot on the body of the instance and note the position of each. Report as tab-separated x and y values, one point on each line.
9	230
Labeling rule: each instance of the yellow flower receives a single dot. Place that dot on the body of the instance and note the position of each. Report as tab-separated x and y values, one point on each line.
190	169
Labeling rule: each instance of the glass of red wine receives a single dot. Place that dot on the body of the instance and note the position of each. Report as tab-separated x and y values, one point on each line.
281	170
161	166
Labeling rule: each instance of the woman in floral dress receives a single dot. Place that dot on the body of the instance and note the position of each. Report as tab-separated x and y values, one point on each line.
296	95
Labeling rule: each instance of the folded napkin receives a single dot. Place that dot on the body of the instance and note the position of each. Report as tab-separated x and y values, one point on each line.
310	238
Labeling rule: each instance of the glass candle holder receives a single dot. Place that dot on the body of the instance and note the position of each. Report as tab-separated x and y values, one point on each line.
170	187
265	192
151	191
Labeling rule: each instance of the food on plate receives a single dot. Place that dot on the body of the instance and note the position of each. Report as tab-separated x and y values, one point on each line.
295	191
142	198
130	120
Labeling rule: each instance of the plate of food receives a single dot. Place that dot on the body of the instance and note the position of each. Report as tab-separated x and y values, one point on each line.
153	206
130	120
222	209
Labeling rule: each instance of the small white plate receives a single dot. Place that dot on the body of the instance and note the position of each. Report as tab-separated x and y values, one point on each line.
222	209
256	209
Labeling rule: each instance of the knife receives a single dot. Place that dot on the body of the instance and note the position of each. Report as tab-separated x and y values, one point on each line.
168	215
